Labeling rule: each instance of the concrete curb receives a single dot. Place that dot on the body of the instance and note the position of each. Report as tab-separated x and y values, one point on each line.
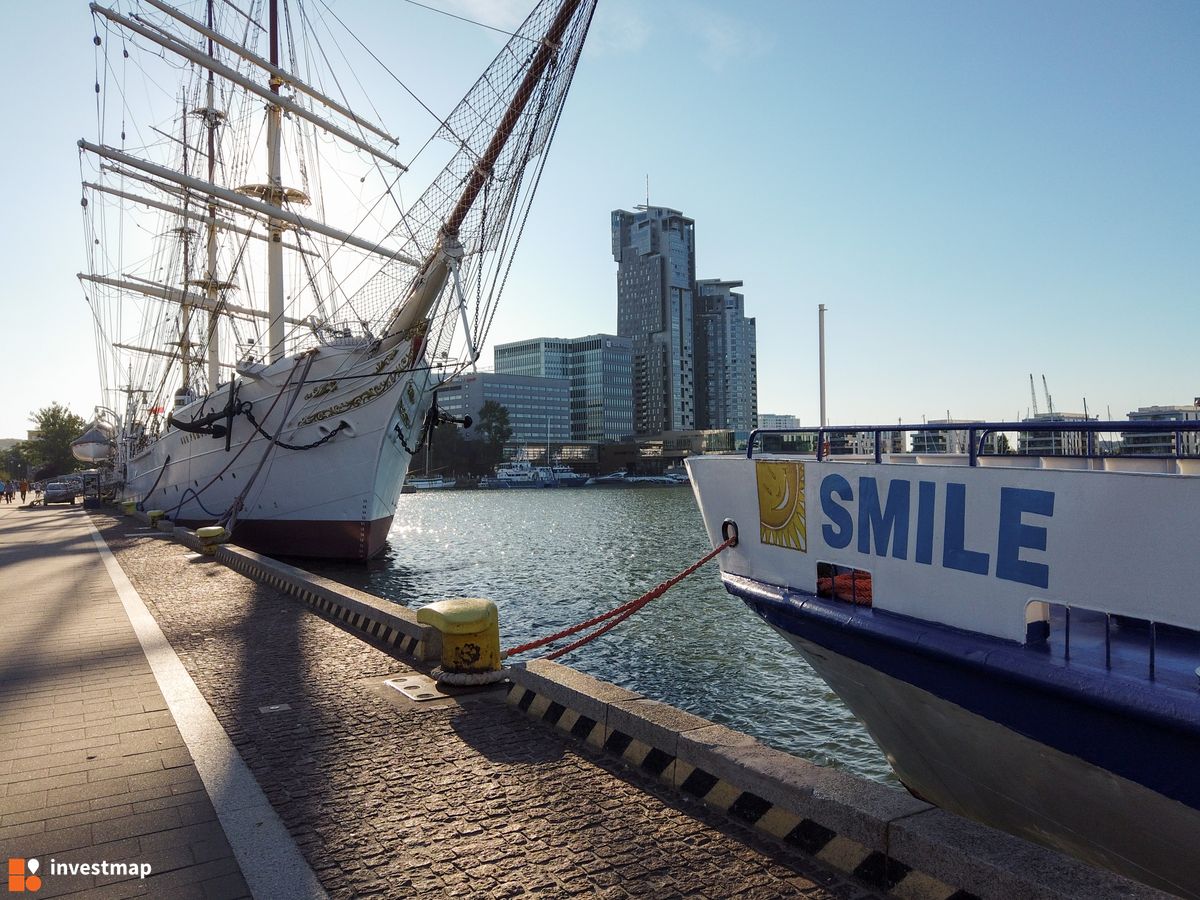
887	838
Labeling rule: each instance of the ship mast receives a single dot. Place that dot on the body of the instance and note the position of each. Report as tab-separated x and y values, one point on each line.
185	310
275	341
211	119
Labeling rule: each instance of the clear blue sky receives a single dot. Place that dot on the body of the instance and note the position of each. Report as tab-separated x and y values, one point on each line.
976	191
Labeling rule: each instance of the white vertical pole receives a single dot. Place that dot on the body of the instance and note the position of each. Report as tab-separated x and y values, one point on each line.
821	339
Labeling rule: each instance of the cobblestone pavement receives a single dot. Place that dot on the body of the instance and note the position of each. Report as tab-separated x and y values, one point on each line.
396	799
93	769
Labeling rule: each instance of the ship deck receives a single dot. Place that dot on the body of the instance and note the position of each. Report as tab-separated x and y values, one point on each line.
1123	648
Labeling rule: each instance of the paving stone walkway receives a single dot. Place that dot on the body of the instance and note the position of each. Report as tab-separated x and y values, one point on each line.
385	797
92	767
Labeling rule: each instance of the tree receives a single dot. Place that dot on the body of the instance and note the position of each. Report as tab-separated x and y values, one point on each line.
49	450
15	461
447	449
492	430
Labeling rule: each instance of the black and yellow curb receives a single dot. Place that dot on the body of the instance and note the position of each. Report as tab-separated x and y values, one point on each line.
884	837
386	623
389	624
888	839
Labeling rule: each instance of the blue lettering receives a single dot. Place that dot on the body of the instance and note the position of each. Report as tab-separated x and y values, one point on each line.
1015	535
835	513
888	524
954	553
926	498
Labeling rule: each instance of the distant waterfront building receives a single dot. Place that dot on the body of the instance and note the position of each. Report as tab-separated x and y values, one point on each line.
599	370
778	420
955	440
655	251
1163	443
538	408
1053	443
726	355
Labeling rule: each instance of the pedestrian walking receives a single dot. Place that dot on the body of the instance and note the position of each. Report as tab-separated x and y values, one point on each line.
24	488
9	489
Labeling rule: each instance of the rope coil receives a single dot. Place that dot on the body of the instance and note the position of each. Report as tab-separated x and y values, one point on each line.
617	615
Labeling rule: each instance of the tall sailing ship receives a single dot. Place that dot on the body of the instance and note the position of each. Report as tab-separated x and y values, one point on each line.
283	390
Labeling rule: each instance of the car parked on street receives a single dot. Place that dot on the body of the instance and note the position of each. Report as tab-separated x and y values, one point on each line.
59	492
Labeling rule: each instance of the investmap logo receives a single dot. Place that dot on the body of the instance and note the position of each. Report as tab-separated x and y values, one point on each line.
23	876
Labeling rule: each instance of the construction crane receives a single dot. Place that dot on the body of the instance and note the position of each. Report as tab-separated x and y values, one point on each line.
1033	395
1049	402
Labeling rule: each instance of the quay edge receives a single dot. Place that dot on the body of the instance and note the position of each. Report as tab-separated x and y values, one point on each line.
887	838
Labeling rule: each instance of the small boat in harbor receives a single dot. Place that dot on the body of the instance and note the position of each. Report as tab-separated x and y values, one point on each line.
1019	633
519	473
611	478
565	476
431	483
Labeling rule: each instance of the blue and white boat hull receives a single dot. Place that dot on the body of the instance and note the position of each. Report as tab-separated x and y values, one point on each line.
1021	643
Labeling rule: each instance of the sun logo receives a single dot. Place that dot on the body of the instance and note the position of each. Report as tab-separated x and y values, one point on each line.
781	518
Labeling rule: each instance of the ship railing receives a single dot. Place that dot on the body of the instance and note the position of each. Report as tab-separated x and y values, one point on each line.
1077	439
1124	642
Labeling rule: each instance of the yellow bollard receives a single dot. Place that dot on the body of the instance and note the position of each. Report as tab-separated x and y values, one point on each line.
155	515
128	506
211	536
470	628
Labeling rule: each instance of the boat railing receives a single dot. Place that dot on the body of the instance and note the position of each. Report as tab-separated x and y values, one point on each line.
978	439
1114	641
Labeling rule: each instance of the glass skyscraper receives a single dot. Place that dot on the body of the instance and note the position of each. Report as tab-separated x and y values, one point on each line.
655	250
726	358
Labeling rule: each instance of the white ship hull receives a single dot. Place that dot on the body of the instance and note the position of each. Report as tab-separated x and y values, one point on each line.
977	768
332	500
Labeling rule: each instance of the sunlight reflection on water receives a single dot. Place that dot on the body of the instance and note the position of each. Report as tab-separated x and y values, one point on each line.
551	558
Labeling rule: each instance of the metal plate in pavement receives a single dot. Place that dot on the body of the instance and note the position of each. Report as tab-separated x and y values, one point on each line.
417	687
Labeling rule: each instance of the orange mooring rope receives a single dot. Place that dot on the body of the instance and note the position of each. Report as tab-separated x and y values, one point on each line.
617	615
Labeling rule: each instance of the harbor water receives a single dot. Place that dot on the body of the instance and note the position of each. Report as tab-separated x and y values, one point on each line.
550	558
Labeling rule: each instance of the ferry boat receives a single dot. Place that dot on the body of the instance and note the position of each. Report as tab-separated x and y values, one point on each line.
519	473
1019	634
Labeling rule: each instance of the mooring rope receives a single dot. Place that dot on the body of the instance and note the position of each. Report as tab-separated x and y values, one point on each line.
617	615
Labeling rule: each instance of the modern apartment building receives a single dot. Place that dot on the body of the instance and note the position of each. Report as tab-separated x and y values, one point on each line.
726	354
778	420
1053	443
655	251
1163	443
599	370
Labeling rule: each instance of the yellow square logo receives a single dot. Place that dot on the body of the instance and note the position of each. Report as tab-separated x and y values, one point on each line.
781	518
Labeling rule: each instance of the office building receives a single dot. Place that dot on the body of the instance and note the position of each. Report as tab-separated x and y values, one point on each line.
538	408
655	251
726	353
598	368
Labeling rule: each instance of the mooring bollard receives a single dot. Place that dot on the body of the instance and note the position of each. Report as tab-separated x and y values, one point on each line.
211	537
470	628
155	515
128	506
